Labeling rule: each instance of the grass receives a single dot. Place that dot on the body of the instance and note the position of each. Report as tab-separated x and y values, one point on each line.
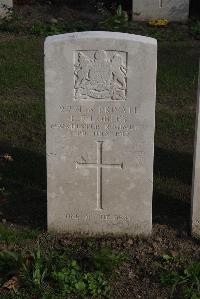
22	94
177	78
184	280
13	236
22	69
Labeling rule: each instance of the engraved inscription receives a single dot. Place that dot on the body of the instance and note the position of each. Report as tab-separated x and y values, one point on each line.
99	166
100	75
100	217
99	121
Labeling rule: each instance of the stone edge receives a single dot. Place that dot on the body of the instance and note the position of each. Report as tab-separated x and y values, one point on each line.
195	229
101	35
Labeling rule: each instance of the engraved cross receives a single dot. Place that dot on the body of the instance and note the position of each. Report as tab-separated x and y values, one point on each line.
99	166
161	3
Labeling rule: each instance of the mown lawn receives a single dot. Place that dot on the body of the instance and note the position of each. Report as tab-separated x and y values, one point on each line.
23	184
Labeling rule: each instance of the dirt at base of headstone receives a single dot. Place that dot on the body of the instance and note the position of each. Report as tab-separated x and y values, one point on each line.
138	277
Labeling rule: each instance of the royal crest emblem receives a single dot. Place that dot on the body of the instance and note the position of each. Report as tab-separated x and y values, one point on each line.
100	75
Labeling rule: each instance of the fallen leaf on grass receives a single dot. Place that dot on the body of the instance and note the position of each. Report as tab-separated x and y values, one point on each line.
11	284
7	157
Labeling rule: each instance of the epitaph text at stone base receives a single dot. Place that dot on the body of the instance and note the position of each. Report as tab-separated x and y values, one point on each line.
100	118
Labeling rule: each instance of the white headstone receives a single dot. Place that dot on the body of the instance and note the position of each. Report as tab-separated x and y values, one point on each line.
172	10
5	7
196	174
100	106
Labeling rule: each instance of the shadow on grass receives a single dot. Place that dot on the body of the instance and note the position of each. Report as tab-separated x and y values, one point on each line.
171	206
23	188
23	199
172	212
170	164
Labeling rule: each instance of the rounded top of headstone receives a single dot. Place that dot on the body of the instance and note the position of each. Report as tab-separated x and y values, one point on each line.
101	35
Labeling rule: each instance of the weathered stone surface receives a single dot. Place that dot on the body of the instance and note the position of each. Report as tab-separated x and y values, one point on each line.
173	10
196	174
100	106
5	7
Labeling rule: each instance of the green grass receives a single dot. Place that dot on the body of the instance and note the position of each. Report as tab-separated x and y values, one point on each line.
13	236
183	277
22	94
177	73
21	67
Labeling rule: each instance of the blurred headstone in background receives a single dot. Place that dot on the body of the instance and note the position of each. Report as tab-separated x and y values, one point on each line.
6	7
172	10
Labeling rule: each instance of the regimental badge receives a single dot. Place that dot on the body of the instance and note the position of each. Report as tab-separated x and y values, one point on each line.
100	75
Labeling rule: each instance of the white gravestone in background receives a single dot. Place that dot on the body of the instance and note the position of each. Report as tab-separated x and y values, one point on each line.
173	10
196	175
100	106
5	7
